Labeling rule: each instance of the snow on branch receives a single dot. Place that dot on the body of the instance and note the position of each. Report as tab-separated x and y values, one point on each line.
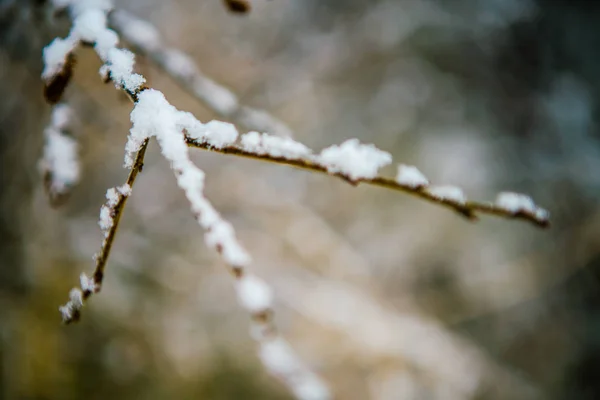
359	163
110	215
60	161
145	39
153	116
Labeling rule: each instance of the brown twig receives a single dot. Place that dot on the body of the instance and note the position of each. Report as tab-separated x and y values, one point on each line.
117	211
469	209
72	310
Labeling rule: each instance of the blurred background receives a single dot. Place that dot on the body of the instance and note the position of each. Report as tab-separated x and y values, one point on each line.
386	296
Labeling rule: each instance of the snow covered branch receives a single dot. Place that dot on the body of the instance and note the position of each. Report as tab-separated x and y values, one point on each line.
110	215
358	163
146	39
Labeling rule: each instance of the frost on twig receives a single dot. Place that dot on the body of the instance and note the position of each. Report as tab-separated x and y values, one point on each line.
60	161
146	40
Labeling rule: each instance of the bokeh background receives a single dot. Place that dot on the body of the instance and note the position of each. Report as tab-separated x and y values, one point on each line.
386	296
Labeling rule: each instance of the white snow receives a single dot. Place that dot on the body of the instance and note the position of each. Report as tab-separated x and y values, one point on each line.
515	202
410	176
106	220
354	160
217	134
105	42
76	297
449	193
55	56
254	294
87	283
274	146
90	25
124	190
120	64
112	197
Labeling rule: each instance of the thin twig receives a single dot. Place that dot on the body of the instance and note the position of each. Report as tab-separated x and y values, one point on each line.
102	256
71	312
468	209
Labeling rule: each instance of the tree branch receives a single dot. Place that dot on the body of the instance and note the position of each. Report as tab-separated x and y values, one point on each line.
468	209
113	210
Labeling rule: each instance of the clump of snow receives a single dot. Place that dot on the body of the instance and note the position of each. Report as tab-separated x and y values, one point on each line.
112	197
515	202
217	134
124	190
104	42
154	116
449	193
254	294
120	64
66	312
76	297
410	176
106	220
89	25
75	303
354	160
55	56
274	146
